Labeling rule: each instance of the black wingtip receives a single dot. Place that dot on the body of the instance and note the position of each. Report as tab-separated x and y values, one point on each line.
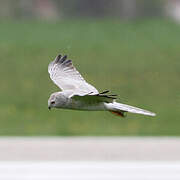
106	96
58	58
104	92
63	58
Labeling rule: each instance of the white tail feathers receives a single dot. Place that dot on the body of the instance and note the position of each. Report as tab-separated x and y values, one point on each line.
118	107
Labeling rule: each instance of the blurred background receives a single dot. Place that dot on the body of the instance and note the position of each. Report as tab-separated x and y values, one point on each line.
131	47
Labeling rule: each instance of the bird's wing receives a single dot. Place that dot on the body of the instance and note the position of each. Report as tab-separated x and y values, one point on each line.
94	98
66	77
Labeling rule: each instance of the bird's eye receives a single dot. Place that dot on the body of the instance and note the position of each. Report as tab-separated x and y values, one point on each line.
53	102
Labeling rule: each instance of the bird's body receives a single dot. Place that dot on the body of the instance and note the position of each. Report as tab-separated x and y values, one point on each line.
63	101
66	102
77	94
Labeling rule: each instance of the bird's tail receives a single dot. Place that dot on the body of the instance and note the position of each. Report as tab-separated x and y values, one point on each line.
121	109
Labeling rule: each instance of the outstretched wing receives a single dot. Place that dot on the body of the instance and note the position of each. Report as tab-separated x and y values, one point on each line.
66	77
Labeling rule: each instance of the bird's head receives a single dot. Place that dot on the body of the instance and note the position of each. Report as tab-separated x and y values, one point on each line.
56	100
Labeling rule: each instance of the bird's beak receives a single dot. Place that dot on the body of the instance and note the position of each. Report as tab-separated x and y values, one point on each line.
49	107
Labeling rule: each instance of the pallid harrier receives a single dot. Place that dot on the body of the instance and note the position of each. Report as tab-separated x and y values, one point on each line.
77	94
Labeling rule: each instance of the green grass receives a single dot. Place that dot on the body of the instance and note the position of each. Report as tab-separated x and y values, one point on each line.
140	61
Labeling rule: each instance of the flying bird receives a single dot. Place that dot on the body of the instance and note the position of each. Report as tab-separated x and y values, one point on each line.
77	94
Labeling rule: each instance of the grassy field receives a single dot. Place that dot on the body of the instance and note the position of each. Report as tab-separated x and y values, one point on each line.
140	61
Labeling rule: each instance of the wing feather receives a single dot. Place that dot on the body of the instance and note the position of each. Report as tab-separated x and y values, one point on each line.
66	77
94	98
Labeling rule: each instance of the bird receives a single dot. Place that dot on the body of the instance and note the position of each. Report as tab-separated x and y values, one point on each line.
77	94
